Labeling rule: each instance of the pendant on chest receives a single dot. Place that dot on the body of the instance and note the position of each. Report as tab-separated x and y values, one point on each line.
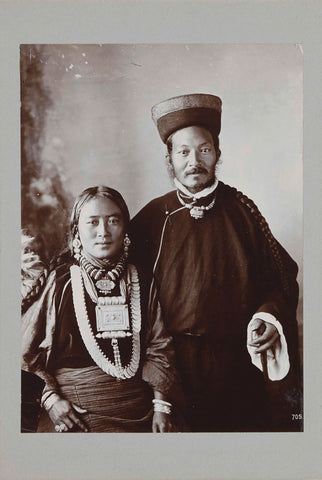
112	321
105	285
197	212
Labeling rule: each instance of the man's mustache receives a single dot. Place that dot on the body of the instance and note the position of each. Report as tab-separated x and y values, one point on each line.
196	170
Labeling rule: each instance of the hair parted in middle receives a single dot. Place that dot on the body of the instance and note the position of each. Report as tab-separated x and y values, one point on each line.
96	192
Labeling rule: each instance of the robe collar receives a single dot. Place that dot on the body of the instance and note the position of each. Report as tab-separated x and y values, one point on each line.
196	196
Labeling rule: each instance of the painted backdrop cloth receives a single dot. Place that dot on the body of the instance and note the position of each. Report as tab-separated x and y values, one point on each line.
212	275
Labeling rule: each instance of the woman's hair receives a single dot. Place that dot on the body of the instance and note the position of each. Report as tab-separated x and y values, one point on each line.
97	192
34	269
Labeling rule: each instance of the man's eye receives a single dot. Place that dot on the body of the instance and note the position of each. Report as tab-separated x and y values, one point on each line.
206	150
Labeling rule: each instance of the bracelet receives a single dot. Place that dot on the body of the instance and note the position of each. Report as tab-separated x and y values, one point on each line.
45	396
161	402
158	407
50	400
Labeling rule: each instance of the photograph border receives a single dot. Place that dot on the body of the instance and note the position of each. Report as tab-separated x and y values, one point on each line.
187	456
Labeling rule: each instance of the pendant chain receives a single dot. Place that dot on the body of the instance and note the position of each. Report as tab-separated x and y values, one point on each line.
87	334
196	211
104	280
99	273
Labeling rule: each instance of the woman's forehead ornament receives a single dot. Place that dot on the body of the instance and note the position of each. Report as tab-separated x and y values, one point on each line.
199	109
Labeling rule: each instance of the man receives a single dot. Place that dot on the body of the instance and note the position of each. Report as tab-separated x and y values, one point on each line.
227	289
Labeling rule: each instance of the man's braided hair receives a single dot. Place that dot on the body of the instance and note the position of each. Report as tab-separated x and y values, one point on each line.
267	234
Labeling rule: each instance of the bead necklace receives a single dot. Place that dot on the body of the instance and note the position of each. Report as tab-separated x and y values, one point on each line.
196	211
104	280
111	368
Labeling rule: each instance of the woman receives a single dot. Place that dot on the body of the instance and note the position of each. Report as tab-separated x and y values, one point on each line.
105	358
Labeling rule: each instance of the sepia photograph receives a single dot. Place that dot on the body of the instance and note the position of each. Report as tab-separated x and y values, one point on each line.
160	240
161	200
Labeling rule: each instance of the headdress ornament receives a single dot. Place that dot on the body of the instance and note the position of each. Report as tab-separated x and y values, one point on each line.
184	111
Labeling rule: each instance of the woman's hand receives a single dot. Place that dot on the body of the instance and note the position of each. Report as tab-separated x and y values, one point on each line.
161	423
63	415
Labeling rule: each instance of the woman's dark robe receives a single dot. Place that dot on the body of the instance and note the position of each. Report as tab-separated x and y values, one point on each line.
51	339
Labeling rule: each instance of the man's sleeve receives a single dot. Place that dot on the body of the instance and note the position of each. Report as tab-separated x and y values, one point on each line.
280	291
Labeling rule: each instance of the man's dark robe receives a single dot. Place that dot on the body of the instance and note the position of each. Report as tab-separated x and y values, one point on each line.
212	275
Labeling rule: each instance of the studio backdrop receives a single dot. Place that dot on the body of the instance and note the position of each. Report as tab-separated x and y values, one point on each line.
86	120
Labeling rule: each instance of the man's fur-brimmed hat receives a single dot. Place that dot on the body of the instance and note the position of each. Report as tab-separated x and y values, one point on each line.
186	110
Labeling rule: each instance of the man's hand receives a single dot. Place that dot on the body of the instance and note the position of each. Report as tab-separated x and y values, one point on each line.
264	335
161	423
63	414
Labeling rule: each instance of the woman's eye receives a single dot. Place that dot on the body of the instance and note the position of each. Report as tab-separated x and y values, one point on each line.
205	150
113	221
92	222
183	152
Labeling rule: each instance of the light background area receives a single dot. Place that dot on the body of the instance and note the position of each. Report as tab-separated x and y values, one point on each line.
165	457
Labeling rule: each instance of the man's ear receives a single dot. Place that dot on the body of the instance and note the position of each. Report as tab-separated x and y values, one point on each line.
169	165
218	155
168	160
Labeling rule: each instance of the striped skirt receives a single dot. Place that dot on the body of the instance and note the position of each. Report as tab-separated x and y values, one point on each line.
112	405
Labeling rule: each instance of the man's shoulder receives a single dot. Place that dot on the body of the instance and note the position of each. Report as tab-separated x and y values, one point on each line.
227	190
158	204
226	195
169	196
230	193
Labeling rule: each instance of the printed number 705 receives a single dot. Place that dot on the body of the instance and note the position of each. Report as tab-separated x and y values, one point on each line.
297	416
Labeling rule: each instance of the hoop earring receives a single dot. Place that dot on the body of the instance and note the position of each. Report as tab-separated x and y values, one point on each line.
126	245
77	247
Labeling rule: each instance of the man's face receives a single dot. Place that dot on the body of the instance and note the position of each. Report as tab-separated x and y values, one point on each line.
193	158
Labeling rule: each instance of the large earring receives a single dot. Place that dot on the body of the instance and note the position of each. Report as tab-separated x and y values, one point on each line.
77	247
126	245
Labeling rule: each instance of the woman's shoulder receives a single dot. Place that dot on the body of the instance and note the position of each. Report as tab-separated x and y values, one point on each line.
61	267
63	260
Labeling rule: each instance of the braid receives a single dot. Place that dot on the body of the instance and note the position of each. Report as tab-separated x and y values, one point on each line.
31	289
272	243
34	271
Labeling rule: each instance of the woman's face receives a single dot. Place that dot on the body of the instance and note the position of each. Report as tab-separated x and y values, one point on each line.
101	228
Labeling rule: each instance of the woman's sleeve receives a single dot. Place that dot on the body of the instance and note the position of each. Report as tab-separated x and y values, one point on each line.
159	360
38	324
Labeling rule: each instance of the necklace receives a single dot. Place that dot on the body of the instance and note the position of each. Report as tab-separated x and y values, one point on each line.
104	280
111	368
196	211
